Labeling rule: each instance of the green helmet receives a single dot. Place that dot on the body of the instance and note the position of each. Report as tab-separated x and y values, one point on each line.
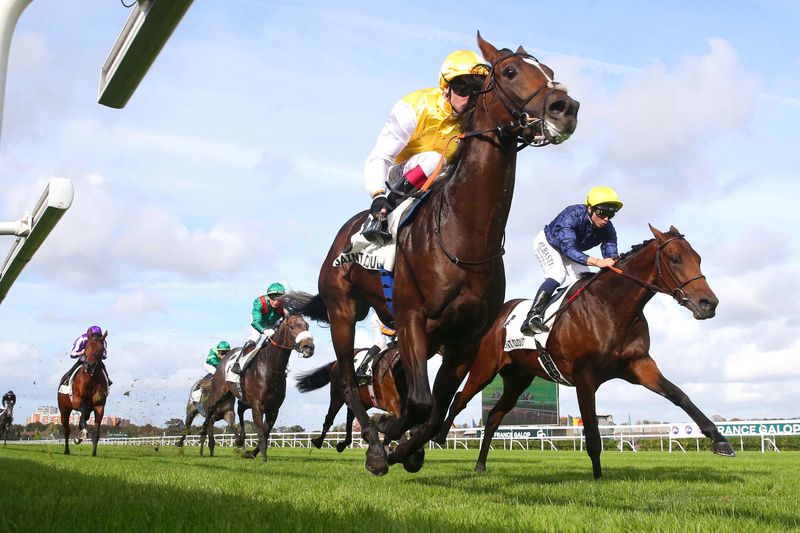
223	345
276	289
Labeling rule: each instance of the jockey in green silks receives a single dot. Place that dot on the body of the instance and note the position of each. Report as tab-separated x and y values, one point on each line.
214	356
267	315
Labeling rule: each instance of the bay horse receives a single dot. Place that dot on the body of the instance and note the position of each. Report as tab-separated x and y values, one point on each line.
388	384
263	382
449	273
228	416
89	393
600	335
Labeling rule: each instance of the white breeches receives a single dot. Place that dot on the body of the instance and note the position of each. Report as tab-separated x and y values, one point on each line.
555	265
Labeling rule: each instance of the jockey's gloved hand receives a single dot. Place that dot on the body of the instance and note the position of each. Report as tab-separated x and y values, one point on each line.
379	207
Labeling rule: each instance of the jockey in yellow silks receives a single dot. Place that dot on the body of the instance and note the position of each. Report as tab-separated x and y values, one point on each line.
415	136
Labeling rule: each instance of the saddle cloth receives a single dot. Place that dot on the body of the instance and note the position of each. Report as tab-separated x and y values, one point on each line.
231	376
372	255
196	394
67	388
515	340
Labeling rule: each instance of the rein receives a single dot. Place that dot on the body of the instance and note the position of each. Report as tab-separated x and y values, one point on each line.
677	293
678	290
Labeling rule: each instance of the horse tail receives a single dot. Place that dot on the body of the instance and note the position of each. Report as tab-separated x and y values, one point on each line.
316	379
307	305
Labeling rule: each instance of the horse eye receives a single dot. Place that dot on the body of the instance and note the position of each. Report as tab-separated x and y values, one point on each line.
674	259
510	73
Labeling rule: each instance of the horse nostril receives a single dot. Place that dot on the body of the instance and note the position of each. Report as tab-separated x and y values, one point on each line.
557	108
707	305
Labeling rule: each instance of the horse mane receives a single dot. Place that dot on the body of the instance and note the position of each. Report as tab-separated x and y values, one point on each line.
294	302
635	248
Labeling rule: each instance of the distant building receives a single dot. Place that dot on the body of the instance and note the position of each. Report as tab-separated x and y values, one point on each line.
49	414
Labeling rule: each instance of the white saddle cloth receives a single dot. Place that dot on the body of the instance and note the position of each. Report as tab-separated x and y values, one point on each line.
231	376
372	255
515	340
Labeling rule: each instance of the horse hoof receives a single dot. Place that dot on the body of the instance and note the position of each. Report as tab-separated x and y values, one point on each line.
248	455
317	443
415	461
376	463
723	448
440	439
480	468
77	441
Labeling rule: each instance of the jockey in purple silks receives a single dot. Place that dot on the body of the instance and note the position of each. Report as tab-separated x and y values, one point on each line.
78	349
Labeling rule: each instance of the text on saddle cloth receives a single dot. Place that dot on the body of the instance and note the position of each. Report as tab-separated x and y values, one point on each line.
372	255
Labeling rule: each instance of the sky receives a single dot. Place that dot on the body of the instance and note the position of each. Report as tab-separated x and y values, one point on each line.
241	154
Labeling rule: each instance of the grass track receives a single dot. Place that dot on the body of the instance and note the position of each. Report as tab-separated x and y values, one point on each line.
137	488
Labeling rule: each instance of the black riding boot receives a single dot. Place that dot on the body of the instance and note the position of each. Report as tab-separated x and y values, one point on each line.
533	322
65	377
247	346
377	230
361	371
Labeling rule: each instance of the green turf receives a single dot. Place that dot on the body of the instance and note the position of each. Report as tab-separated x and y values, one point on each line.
140	488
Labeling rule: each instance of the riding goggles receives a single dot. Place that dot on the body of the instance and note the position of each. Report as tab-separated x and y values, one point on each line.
605	212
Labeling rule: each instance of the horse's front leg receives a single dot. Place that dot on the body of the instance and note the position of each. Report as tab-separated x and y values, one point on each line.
98	419
208	431
258	420
586	389
65	424
645	372
479	377
191	413
515	381
449	377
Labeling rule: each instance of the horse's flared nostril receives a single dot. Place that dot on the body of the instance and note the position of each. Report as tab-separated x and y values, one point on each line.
707	304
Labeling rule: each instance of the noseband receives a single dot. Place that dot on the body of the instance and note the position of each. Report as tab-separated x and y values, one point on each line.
525	130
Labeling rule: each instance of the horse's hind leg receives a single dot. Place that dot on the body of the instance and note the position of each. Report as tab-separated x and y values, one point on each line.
645	372
343	336
241	407
337	400
191	413
514	382
348	436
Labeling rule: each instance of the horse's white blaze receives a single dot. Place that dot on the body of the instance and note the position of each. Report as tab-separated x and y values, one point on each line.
303	335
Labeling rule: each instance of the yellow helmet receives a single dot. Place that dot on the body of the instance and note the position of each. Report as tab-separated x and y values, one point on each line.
459	63
603	195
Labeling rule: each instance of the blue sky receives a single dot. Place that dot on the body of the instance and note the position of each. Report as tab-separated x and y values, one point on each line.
241	154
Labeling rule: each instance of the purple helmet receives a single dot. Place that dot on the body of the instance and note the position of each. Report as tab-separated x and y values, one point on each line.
94	331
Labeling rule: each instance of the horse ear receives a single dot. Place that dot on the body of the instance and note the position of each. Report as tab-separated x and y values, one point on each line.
105	334
657	234
673	229
489	52
521	50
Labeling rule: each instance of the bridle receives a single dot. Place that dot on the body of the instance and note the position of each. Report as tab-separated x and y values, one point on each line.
677	291
523	128
303	335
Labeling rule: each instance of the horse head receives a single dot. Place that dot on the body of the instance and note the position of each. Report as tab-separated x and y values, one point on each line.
678	273
521	99
293	333
94	352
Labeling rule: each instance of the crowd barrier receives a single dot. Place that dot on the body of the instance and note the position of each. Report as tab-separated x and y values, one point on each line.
671	437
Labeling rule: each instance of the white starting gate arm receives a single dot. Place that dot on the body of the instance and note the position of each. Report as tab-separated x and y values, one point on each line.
33	229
